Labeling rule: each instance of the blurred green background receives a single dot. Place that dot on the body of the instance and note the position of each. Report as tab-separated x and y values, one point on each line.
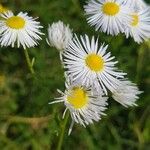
27	122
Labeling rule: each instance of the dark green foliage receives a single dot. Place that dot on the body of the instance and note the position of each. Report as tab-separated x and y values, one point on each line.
22	95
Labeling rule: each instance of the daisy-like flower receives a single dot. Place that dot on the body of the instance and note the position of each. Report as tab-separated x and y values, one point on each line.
91	65
20	30
3	9
59	35
108	16
84	105
139	27
136	4
127	94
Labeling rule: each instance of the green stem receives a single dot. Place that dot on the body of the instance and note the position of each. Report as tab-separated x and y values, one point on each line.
26	120
60	142
29	63
35	122
140	61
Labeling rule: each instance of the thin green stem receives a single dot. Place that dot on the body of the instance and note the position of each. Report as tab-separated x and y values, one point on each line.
140	61
60	142
144	116
34	122
29	62
26	120
138	66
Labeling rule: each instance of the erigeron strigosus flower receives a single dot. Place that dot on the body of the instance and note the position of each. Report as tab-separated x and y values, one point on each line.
84	105
59	35
90	64
109	16
19	30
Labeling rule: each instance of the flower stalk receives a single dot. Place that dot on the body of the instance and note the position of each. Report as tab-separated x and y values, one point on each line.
29	62
62	134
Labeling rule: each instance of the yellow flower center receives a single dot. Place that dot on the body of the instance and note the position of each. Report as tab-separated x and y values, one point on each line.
110	8
15	22
135	20
3	9
94	62
77	97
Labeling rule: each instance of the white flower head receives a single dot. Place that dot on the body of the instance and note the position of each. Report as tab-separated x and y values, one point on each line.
136	4
127	94
59	35
84	106
139	26
90	64
20	30
108	16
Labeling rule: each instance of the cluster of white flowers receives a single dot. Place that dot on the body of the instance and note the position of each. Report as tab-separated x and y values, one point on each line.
90	70
131	17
